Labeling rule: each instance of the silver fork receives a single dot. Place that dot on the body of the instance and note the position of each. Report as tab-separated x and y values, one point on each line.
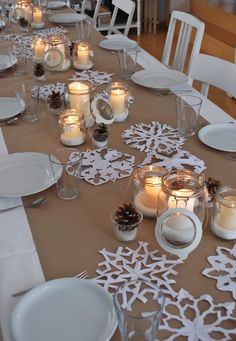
81	275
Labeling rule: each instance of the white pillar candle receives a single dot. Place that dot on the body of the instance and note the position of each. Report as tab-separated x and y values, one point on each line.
151	192
117	99
226	218
39	48
178	229
182	199
83	54
71	134
37	15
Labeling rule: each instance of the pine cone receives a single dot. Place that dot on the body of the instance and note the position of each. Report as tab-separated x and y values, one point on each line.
127	215
23	22
54	100
101	133
212	186
39	70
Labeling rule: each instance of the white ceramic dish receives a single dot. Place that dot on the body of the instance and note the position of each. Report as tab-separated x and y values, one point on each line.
161	80
117	44
25	173
219	136
65	309
56	4
67	18
5	62
8	107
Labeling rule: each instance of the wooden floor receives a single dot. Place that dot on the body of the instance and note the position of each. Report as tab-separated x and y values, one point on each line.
154	43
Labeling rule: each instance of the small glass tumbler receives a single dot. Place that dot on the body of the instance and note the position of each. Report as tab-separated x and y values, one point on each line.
66	166
187	111
127	62
139	307
27	94
18	59
126	232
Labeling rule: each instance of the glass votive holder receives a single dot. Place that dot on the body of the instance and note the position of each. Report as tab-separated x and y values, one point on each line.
37	18
72	127
39	47
99	134
79	96
39	71
147	185
118	96
82	59
56	56
223	222
183	189
56	102
126	220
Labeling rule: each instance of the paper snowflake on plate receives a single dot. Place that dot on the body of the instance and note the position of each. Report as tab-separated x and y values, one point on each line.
183	319
46	90
177	161
96	77
127	264
102	165
223	269
153	138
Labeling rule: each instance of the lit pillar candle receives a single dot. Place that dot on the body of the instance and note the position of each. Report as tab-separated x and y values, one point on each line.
226	217
39	48
71	132
117	99
182	199
151	192
37	15
83	54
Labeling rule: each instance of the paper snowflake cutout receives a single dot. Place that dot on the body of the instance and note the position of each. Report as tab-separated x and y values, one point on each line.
96	77
177	161
223	269
153	138
194	324
24	42
46	90
47	32
104	165
127	264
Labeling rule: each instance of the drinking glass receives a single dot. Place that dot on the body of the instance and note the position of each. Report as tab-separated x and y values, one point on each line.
138	306
69	160
187	111
84	31
18	60
27	94
127	61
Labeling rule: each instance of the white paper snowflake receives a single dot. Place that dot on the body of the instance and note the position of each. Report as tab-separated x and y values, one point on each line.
103	165
207	324
223	269
46	90
47	32
127	264
177	161
153	138
96	77
23	42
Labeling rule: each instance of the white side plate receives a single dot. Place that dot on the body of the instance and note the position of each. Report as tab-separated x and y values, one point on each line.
56	4
219	136
65	309
161	80
117	44
2	23
5	62
25	173
8	107
67	18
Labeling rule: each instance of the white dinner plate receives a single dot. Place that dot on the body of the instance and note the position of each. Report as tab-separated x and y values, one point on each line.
117	44
67	18
5	62
25	173
220	136
68	309
8	107
159	80
56	4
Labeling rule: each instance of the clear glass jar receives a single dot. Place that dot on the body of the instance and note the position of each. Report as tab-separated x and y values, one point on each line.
99	134
118	93
72	127
21	9
82	58
183	189
147	184
37	18
223	221
79	96
56	56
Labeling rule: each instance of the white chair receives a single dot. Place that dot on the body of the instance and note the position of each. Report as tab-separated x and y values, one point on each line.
96	10
187	23
214	71
126	6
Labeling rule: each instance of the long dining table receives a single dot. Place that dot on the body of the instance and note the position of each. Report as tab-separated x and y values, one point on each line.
62	238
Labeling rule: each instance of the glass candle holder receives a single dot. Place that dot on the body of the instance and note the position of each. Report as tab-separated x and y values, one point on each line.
147	185
39	46
21	9
81	57
72	127
223	222
99	134
118	97
128	232
37	18
79	95
56	56
183	189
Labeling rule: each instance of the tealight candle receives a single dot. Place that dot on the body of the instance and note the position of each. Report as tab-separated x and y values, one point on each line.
83	54
178	229
39	49
226	217
72	128
37	15
117	99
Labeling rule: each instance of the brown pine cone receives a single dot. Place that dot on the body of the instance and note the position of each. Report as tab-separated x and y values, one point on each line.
127	215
